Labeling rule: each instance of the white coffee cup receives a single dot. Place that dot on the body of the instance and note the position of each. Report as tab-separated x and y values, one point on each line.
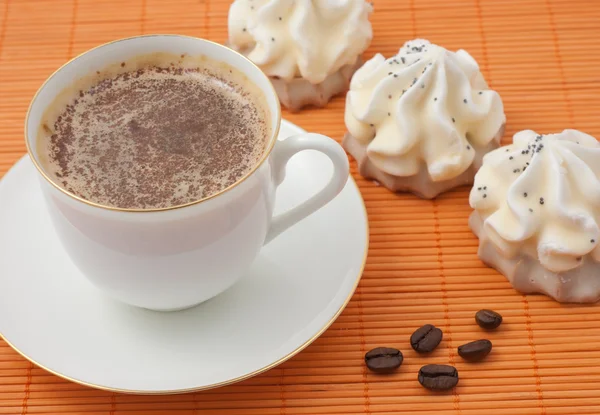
174	258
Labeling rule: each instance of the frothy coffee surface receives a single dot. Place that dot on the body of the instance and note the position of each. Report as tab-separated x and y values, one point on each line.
155	137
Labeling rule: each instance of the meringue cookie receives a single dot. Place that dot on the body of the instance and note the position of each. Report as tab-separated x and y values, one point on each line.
309	40
537	213
424	117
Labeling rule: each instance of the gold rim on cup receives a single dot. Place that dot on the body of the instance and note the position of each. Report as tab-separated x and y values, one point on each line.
263	158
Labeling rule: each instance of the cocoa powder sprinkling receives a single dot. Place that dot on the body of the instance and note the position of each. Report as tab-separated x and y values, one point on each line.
156	137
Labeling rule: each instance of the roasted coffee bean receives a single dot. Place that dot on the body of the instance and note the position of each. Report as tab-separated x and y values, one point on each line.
488	319
438	377
383	359
476	350
426	338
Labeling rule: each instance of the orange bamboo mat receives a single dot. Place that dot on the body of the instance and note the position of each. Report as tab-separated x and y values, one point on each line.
541	55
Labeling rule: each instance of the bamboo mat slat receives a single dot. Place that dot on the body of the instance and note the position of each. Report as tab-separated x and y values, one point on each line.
541	55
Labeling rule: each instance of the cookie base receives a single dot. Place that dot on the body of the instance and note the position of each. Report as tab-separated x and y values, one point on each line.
527	275
419	184
299	93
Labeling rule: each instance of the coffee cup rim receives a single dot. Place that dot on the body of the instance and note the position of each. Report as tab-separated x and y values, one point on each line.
270	145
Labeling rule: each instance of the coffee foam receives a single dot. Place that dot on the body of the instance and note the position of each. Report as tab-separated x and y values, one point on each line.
155	132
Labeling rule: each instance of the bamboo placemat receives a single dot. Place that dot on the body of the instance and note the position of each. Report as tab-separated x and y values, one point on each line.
541	55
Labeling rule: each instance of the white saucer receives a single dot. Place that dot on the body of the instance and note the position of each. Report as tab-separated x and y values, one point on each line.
297	287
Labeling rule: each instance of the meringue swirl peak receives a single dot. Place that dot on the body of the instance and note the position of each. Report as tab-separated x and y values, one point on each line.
424	106
309	39
540	197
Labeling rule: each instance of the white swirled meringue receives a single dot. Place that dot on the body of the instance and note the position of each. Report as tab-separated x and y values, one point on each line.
537	210
309	39
425	108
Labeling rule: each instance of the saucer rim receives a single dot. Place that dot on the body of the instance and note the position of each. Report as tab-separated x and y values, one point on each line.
270	366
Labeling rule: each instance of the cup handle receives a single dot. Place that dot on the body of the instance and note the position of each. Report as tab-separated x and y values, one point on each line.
283	151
